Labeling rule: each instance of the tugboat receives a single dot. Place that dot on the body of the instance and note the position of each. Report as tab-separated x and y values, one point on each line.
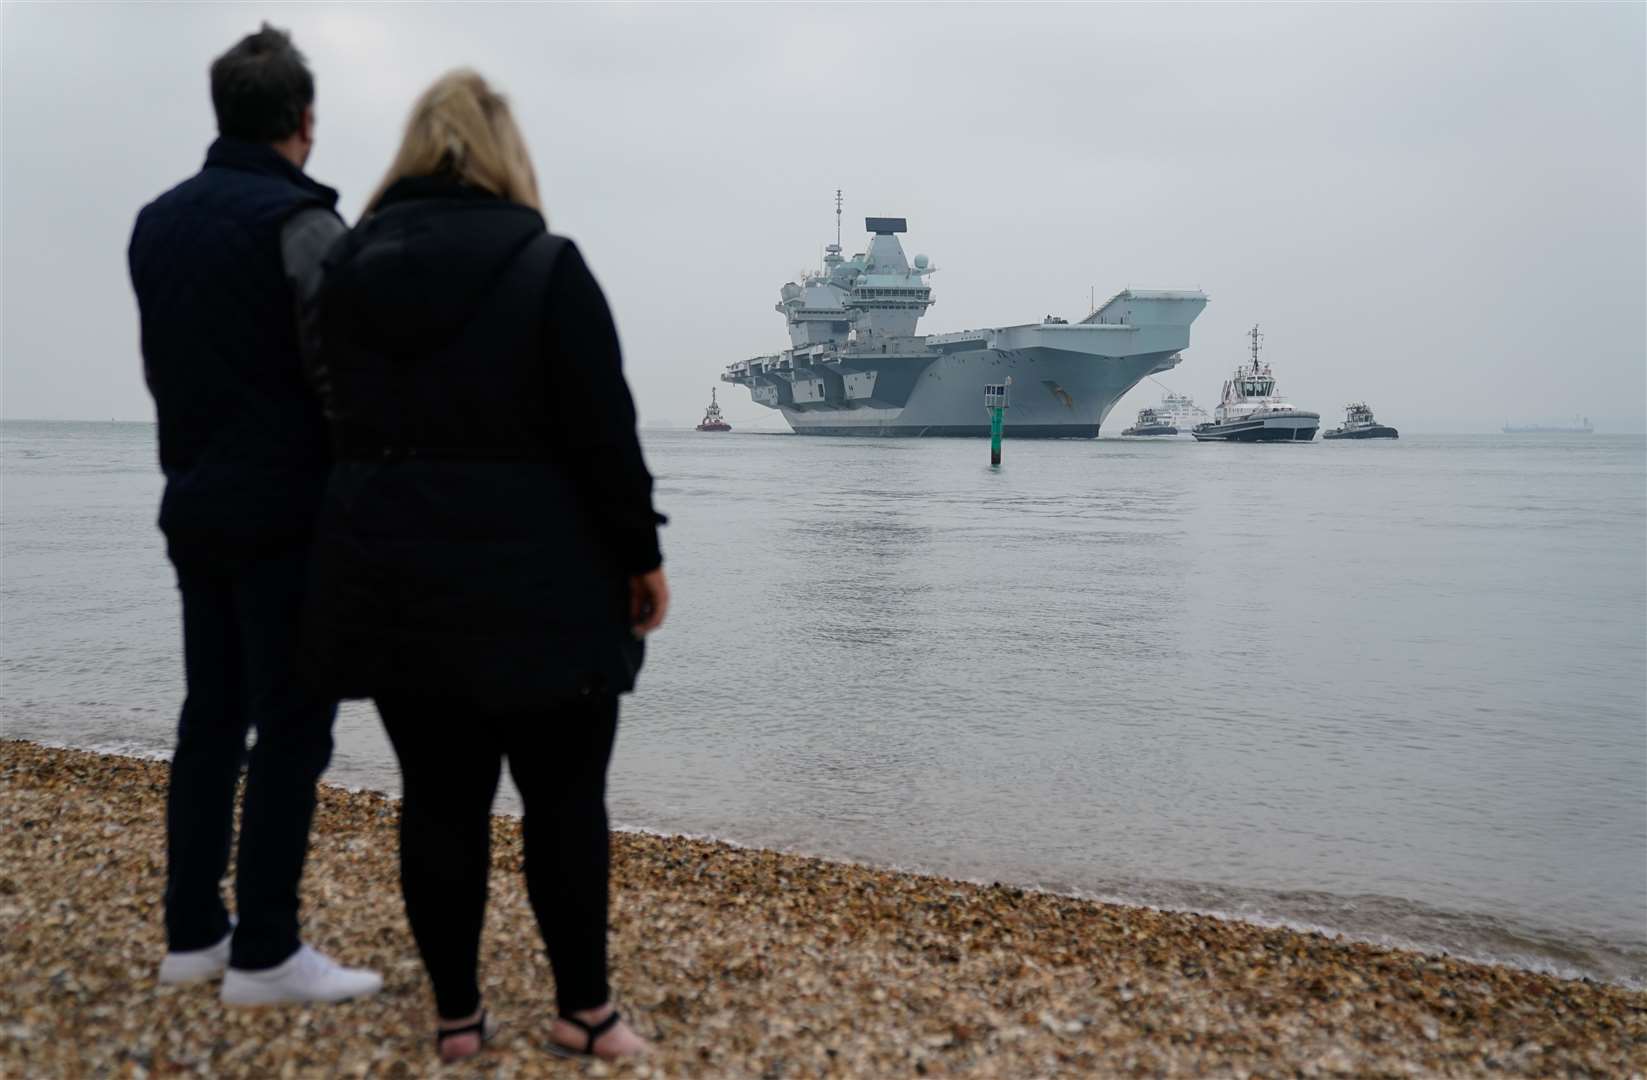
1359	424
1252	410
1150	423
712	420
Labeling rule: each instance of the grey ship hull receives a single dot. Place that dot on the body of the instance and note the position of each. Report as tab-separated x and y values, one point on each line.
1065	377
1055	395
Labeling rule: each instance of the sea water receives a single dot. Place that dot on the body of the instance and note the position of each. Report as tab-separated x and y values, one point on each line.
1396	690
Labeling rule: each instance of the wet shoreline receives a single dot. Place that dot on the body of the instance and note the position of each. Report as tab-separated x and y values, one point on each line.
1473	936
744	962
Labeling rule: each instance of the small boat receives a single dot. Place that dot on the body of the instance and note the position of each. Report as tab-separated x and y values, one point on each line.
1151	423
712	420
1253	410
1359	424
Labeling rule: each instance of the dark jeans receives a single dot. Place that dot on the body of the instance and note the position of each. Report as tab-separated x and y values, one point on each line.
240	629
451	758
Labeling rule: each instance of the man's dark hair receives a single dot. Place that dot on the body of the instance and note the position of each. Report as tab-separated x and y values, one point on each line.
261	87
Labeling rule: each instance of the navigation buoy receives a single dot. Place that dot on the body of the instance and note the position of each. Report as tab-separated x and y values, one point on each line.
995	401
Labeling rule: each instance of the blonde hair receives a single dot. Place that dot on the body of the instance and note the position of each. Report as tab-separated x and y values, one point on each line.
462	126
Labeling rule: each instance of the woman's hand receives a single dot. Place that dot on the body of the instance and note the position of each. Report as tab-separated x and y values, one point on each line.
648	601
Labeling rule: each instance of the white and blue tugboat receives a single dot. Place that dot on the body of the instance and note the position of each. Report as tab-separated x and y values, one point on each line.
1253	410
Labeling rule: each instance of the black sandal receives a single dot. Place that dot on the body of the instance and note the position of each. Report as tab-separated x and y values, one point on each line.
482	1027
592	1031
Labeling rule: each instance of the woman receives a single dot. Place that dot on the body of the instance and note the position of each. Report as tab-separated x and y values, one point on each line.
487	558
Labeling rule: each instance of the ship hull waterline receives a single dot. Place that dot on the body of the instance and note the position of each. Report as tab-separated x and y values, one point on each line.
1298	427
1055	394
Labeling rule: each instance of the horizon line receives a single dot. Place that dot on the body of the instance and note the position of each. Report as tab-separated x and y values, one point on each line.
642	425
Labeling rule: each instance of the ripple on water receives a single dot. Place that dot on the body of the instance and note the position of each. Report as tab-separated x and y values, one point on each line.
1399	697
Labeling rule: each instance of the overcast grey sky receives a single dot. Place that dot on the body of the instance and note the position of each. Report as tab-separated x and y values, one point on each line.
1439	208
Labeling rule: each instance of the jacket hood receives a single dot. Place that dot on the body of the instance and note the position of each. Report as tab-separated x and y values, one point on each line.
412	273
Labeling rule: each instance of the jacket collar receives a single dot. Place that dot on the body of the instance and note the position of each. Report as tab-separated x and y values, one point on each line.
440	185
231	153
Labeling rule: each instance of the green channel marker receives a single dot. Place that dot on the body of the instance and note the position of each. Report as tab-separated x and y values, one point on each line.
995	401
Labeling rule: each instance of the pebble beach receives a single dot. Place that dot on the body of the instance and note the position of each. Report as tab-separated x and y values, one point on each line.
741	963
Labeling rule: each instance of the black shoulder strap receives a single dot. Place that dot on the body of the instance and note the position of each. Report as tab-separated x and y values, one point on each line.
545	249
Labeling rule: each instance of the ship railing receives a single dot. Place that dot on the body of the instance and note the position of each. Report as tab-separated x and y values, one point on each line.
959	335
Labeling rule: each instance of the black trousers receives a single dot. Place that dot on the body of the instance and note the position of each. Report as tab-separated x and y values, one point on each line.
451	759
240	630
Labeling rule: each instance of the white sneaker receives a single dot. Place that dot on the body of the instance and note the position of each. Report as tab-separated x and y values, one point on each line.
196	965
306	976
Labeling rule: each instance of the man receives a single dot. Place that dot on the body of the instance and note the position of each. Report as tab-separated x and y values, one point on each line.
220	264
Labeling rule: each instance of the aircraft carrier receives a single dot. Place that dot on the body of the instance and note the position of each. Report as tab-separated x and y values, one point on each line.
855	365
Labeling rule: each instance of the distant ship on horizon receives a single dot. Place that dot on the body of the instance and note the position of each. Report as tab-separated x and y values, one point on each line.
1580	426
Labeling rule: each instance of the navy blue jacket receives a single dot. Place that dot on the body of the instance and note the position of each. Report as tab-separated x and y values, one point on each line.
242	440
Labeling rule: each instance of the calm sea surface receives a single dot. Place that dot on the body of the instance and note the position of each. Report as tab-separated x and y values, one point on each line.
1397	690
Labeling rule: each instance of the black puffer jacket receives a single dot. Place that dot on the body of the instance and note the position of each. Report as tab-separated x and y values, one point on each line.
489	500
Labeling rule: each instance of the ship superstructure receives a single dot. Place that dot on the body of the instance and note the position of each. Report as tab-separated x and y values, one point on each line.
856	366
1181	411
